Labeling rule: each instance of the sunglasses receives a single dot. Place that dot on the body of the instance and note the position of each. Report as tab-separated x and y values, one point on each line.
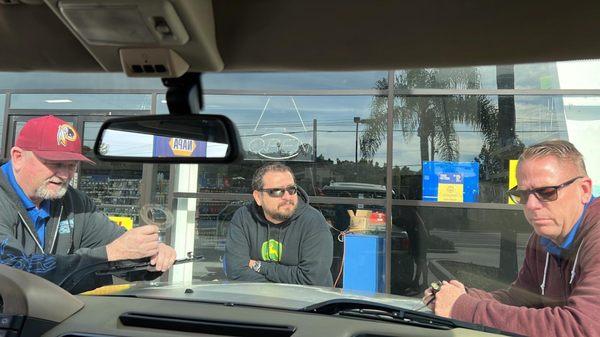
544	194
279	192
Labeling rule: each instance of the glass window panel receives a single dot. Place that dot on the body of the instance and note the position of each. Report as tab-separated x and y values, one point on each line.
582	115
559	75
56	80
81	101
114	188
161	105
293	81
212	222
531	76
580	74
18	127
90	132
554	75
2	114
326	123
483	248
160	190
480	128
482	77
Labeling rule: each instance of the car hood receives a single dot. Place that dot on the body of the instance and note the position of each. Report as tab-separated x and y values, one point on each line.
272	295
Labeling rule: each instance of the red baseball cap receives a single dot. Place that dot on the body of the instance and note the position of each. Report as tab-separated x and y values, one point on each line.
51	138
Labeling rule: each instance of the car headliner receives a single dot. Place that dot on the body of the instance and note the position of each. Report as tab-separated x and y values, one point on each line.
275	35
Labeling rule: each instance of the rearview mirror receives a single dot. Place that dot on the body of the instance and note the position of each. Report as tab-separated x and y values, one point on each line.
169	139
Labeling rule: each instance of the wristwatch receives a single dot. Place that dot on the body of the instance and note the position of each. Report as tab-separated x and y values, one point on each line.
256	266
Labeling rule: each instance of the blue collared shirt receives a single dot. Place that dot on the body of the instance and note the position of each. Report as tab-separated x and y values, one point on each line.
39	216
555	250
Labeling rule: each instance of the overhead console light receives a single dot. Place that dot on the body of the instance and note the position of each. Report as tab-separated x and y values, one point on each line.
152	62
174	34
125	23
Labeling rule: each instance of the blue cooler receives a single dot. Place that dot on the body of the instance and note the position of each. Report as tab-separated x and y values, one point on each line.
364	262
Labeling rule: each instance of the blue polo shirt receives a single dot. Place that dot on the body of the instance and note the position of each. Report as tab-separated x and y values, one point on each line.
39	216
557	250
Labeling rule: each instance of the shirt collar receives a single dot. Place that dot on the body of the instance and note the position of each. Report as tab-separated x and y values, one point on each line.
557	250
7	170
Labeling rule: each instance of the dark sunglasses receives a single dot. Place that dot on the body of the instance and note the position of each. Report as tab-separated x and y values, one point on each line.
279	192
544	194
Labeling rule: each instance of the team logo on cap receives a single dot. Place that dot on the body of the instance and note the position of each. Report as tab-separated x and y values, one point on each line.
66	133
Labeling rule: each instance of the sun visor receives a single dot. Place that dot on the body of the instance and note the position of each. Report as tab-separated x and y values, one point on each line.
169	33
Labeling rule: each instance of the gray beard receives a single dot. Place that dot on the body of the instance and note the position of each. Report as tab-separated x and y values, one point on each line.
43	193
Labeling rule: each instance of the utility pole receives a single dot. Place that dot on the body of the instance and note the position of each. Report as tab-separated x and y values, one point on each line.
357	120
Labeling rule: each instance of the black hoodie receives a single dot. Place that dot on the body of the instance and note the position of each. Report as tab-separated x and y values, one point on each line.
298	250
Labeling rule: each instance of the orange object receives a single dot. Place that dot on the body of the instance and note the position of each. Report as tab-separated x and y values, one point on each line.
377	218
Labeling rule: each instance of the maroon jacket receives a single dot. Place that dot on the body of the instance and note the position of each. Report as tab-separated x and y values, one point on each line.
566	308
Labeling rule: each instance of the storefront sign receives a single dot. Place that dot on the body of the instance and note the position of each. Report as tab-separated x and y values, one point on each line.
450	181
277	146
512	176
279	137
450	187
178	147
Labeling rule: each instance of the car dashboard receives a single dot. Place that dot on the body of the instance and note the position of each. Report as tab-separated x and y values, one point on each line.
117	316
33	306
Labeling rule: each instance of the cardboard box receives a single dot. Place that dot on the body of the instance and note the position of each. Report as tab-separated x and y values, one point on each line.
365	220
359	220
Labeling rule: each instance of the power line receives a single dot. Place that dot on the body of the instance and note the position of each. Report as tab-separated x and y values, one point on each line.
400	130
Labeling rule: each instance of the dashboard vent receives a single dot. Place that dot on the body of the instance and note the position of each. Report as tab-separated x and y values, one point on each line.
229	328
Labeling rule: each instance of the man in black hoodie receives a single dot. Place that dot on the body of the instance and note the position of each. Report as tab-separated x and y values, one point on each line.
279	237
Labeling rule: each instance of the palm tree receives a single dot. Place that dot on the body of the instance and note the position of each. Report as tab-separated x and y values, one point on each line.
433	117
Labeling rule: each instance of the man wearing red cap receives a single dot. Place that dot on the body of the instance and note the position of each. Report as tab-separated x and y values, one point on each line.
51	229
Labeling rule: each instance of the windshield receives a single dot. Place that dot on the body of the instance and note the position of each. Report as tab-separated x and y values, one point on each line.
456	134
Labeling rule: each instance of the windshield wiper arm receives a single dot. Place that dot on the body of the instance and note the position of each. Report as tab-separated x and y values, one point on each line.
113	268
383	312
118	269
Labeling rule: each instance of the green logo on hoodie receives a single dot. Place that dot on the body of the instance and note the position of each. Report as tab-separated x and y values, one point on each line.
272	250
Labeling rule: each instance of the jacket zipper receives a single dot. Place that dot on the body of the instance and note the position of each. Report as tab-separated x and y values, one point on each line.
37	242
56	231
563	282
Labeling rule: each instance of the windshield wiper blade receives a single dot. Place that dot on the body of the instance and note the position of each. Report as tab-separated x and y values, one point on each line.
384	312
393	317
116	269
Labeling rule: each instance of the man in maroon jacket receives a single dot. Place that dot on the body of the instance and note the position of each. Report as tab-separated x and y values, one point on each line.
557	290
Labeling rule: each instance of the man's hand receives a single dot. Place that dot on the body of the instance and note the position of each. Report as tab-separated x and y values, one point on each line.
251	264
136	243
446	296
164	259
428	299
